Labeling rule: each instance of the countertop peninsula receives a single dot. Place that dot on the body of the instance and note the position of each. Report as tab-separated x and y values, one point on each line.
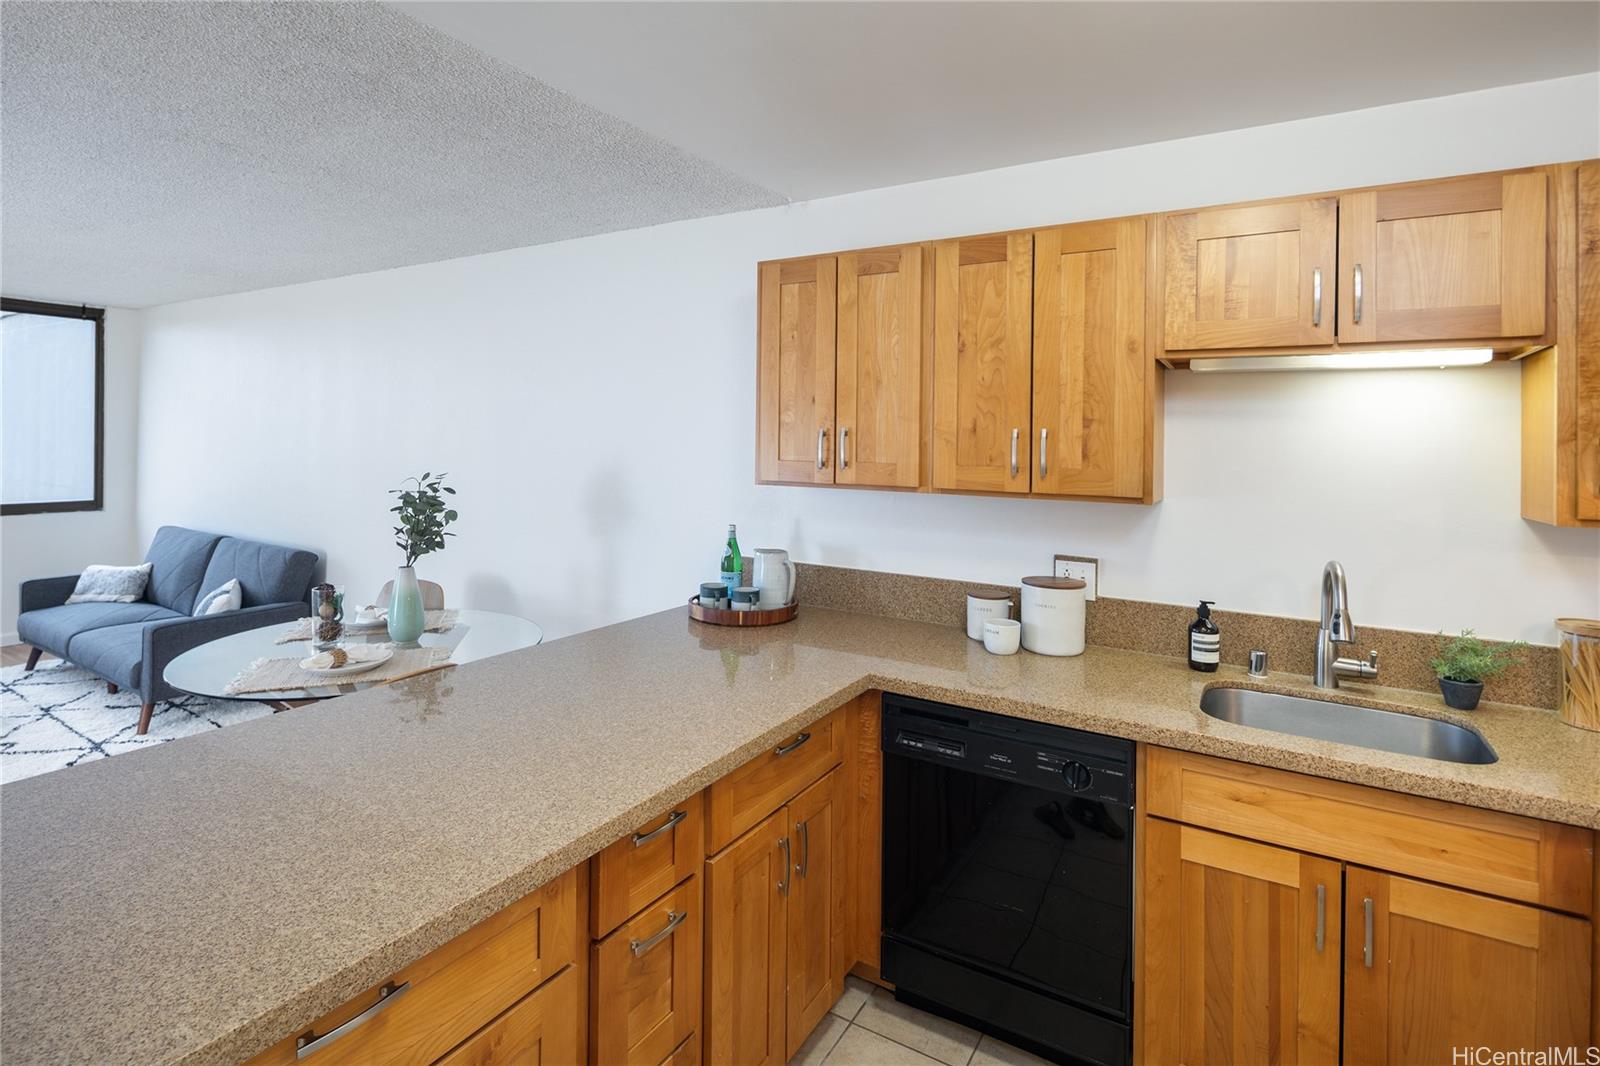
194	902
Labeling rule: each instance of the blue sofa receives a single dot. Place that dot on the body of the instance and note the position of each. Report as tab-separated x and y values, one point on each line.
130	644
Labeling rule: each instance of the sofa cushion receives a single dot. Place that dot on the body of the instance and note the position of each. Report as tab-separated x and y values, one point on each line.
54	627
113	652
180	557
266	572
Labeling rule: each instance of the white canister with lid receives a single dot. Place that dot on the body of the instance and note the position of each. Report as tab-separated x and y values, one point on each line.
1052	615
982	606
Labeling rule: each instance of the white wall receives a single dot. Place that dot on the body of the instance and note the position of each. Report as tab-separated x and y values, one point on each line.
47	545
565	388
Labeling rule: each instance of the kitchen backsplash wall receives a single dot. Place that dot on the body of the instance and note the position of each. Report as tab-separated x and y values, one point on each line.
1162	629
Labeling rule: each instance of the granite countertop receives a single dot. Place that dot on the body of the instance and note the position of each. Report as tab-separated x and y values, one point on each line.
196	902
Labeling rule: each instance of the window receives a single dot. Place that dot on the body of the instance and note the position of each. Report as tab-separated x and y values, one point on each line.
52	385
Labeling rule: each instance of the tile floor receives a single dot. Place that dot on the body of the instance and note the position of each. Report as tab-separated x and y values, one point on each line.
867	1027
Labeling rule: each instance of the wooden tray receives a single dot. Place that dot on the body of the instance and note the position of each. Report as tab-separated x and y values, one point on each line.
719	616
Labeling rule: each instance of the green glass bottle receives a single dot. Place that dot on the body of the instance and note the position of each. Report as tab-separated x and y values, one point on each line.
732	561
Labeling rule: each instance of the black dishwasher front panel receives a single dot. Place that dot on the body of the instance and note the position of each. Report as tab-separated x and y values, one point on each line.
1008	876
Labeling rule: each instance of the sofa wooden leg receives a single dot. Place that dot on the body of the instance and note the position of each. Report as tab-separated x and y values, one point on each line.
111	688
33	657
144	718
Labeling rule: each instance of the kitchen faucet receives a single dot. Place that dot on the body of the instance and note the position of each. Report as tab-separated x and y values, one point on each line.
1338	629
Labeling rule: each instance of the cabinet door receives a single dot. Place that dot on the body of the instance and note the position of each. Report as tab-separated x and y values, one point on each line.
646	982
1587	349
794	417
880	372
982	363
541	1030
1462	259
747	887
1240	946
818	919
1431	969
1251	277
1090	402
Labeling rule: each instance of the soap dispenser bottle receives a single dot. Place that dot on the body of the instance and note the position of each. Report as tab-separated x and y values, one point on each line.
1205	640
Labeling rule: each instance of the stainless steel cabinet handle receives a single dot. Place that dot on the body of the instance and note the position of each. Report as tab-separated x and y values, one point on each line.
674	919
310	1042
783	882
1316	297
1366	949
665	827
1044	444
1015	434
1356	287
785	749
1322	916
805	848
822	447
844	447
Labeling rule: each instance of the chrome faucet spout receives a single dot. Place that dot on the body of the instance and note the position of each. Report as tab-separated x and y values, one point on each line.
1337	628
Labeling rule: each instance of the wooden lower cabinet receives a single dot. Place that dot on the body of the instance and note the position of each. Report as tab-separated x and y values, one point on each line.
1430	969
645	982
777	929
1248	943
541	1030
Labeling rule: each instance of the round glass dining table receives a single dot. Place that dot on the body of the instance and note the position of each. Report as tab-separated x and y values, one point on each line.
207	670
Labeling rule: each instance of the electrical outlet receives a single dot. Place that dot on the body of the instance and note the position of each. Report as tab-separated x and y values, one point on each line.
1081	567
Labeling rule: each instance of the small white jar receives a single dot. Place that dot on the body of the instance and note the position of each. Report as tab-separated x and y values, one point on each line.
982	606
1052	615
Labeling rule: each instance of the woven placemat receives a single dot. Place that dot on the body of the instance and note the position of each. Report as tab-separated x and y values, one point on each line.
432	622
284	675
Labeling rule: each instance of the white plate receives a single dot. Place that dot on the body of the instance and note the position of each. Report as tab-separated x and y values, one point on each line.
354	666
363	627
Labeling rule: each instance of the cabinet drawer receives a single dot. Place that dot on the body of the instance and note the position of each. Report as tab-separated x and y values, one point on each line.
448	995
1499	854
645	982
645	864
743	798
541	1030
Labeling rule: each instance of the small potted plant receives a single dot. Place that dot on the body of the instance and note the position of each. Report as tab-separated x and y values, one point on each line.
1465	662
422	517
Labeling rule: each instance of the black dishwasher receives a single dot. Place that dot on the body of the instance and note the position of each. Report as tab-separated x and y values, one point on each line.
1008	877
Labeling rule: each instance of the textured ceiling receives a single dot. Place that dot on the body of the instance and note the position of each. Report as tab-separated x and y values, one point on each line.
161	151
814	99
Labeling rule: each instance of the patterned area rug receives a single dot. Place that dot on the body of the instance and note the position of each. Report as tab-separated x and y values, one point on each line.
60	715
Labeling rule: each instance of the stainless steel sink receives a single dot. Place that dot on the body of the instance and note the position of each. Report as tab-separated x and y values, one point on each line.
1365	727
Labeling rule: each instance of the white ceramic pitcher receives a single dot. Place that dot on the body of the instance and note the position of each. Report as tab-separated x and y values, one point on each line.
773	574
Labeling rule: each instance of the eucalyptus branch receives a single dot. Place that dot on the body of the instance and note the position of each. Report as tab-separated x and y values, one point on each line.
423	515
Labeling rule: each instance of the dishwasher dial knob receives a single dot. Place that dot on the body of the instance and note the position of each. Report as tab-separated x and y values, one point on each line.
1077	776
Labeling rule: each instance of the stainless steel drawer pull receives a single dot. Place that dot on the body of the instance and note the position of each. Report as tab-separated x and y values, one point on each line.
665	827
1356	286
844	447
674	919
783	881
805	848
1366	949
1322	916
785	749
1015	433
310	1042
822	447
1316	297
1044	444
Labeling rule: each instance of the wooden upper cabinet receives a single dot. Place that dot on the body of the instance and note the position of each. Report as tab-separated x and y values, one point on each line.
1444	969
880	368
982	363
795	390
1586	345
1242	951
1256	276
1091	401
1461	259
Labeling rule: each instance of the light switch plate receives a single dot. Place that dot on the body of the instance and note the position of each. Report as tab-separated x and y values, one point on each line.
1083	568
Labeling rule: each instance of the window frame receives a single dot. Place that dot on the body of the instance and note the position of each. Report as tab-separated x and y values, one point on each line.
98	315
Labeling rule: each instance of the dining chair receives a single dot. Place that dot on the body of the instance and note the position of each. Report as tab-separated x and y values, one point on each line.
432	595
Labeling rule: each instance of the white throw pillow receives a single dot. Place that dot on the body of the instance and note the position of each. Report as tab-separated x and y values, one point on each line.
111	584
225	597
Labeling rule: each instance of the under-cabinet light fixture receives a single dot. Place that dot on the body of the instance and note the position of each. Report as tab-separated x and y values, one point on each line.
1362	360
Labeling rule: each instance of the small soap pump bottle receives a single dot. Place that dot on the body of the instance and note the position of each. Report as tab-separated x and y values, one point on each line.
1205	640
